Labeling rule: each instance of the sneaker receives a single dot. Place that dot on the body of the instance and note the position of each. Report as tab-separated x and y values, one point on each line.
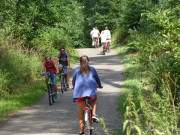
95	118
82	133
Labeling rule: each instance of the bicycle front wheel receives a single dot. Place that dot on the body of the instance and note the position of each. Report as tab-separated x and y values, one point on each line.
63	84
50	98
88	131
87	128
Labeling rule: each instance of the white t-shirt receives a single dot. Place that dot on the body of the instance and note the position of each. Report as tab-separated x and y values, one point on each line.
94	33
108	34
103	37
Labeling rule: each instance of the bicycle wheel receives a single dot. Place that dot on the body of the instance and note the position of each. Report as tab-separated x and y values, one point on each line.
62	84
65	84
54	97
88	132
87	129
50	98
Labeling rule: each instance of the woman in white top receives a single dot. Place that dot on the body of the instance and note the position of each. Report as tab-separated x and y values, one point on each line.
107	34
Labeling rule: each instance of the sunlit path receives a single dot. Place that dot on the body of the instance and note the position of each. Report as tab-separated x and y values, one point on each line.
61	119
110	70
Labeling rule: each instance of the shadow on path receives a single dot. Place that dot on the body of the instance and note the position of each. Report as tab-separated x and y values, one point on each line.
61	118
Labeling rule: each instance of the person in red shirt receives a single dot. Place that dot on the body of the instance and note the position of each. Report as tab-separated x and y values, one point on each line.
50	68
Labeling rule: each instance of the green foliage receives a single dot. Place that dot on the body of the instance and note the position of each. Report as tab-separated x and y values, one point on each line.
23	97
27	20
156	41
17	67
4	81
32	29
120	36
149	28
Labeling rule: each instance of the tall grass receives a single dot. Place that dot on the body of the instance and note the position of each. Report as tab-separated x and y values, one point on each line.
20	84
145	111
19	70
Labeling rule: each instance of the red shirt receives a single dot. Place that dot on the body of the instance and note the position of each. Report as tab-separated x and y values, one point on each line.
50	67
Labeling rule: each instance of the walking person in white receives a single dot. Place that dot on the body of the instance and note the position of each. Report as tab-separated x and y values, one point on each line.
95	37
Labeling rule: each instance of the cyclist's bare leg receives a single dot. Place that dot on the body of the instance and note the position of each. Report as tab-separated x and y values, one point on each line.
46	80
108	48
94	42
55	88
104	47
94	108
97	42
81	105
67	79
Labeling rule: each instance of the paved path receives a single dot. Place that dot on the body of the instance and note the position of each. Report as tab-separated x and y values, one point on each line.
61	118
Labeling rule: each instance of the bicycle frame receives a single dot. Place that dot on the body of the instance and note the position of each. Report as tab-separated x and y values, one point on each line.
106	47
63	81
96	42
49	88
88	116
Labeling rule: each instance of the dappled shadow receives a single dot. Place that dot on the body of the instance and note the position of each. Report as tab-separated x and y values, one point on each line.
106	60
43	119
61	118
111	77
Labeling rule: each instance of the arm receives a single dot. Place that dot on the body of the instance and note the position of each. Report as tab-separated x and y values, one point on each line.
96	77
74	79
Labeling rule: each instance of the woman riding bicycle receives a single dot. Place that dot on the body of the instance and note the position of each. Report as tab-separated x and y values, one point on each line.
85	82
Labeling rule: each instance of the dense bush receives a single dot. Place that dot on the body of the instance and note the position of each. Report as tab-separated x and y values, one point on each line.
17	67
31	29
150	28
157	42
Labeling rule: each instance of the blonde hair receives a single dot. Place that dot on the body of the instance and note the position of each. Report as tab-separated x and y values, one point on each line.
84	59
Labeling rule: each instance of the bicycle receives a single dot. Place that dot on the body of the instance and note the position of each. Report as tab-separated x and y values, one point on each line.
96	42
106	47
63	79
88	130
51	93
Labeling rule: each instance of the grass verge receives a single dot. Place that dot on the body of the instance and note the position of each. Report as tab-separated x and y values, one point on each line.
131	79
24	96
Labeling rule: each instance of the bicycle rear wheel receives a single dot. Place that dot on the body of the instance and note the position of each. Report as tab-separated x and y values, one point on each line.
63	84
